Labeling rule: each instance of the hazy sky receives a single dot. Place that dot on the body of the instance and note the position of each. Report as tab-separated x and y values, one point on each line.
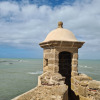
26	23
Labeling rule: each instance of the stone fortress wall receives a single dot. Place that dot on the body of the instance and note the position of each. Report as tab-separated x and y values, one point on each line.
60	79
52	87
85	88
51	84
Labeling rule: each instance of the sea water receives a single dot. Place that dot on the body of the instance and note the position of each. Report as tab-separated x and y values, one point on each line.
20	75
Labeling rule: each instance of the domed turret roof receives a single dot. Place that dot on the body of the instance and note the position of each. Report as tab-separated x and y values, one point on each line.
60	34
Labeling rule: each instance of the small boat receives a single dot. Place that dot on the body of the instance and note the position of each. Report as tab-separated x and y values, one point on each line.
10	63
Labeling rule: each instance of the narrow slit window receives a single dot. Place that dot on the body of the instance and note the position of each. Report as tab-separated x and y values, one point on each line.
46	62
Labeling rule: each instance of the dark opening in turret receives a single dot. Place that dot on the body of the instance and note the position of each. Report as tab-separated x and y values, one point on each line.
65	67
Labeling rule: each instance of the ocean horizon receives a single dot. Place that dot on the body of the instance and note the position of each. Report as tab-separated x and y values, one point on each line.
19	75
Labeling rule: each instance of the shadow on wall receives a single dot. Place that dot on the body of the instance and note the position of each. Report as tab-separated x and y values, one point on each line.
72	96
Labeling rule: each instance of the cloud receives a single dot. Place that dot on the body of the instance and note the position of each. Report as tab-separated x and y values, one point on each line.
25	26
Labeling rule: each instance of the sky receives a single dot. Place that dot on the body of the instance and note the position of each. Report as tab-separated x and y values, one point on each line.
26	23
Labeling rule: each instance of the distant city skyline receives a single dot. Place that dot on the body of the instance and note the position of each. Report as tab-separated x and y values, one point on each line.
26	23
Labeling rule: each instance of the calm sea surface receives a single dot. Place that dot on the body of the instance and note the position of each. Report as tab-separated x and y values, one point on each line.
20	75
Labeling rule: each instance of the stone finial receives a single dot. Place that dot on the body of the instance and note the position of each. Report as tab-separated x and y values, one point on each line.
60	24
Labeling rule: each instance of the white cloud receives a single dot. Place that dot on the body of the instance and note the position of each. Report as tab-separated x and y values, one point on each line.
27	25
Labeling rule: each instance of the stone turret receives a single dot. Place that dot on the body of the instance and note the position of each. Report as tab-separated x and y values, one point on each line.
61	52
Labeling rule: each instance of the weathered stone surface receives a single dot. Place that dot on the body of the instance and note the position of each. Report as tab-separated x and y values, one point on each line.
82	90
83	77
49	55
74	73
52	61
57	56
50	78
74	68
48	68
56	69
86	88
74	62
47	50
84	83
72	50
67	44
72	80
97	97
91	93
56	92
84	98
75	55
94	84
72	86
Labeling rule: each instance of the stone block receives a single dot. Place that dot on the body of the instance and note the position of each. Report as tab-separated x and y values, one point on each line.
39	80
53	50
74	50
82	90
72	86
97	97
83	77
74	73
93	93
52	55
72	80
57	61
84	98
51	61
48	68
51	65
46	56
74	62
75	55
56	56
47	50
56	69
66	44
49	55
74	68
50	78
66	49
84	83
94	84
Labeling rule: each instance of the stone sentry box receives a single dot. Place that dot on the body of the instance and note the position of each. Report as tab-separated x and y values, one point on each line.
61	52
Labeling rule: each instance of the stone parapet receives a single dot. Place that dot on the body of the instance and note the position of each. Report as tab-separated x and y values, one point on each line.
56	92
85	87
50	87
50	78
